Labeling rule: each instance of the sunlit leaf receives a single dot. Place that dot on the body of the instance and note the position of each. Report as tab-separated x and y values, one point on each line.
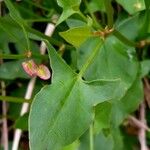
76	36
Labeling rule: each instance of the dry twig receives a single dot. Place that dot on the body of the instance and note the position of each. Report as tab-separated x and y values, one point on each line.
142	131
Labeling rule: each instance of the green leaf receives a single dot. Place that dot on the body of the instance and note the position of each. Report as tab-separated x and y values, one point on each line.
68	3
119	109
71	109
16	34
144	18
14	13
76	36
12	70
132	6
96	5
109	62
128	103
73	146
103	142
22	122
70	7
147	4
145	67
102	117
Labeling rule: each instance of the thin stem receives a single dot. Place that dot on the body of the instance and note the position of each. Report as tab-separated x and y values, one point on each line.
4	110
142	131
38	20
82	16
110	12
91	137
14	99
123	39
138	123
50	39
22	56
26	37
38	6
96	24
17	135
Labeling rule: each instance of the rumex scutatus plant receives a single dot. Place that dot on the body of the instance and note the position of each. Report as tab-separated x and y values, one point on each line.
98	58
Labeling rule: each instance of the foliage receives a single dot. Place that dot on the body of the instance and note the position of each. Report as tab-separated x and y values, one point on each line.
98	56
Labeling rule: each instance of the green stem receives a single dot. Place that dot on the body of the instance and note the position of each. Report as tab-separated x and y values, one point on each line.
123	39
96	24
43	36
14	99
37	5
26	37
110	12
91	137
38	20
82	16
23	56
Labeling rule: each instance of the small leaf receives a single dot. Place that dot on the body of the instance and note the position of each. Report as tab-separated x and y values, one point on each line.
70	7
76	36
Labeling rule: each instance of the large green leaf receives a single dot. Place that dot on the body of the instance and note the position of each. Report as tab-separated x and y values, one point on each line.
132	6
113	60
69	8
66	104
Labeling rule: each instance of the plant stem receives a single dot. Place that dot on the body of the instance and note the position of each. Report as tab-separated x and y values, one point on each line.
14	99
26	37
39	20
123	39
38	6
22	56
110	12
91	137
50	39
96	24
82	16
17	134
